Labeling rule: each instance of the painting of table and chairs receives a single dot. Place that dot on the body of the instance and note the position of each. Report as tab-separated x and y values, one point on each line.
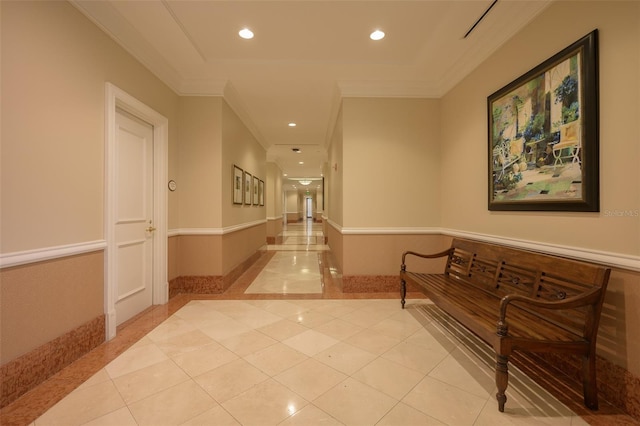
537	135
537	132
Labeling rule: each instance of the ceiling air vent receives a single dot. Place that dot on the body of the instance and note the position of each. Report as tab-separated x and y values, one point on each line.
480	19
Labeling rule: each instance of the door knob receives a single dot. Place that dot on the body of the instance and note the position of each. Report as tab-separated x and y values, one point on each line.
151	228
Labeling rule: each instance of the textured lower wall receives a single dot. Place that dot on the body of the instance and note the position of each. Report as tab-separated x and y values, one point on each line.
41	301
274	229
29	370
209	284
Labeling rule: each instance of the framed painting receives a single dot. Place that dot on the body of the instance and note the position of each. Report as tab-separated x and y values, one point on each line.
255	188
261	193
543	135
237	184
247	188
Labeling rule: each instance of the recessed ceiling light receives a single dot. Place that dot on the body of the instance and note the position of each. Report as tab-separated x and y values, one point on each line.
377	35
300	162
292	124
246	33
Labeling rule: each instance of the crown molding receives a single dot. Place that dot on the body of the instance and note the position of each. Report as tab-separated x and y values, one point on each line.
234	100
388	89
119	29
202	87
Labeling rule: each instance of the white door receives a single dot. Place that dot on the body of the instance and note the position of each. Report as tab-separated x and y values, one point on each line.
134	230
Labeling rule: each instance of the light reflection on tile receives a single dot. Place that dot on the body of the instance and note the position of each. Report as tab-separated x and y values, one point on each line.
289	273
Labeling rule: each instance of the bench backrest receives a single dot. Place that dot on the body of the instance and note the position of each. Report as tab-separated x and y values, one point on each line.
503	270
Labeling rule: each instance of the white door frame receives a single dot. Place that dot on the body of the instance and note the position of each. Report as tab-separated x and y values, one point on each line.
115	97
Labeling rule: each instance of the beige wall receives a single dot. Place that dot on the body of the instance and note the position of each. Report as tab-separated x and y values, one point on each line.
200	152
464	152
273	191
239	246
464	140
333	179
44	300
212	140
199	255
382	254
172	257
55	64
292	203
391	169
274	200
319	202
241	148
440	146
274	228
335	241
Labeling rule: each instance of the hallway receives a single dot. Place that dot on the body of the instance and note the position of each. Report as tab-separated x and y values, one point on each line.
283	346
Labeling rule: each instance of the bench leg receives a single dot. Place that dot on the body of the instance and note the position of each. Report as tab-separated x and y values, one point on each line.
589	385
403	291
502	380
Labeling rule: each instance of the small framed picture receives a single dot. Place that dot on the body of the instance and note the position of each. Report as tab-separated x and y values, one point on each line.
247	188
261	192
255	188
237	185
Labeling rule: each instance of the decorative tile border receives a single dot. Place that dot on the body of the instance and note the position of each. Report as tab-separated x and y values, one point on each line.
370	283
196	284
31	369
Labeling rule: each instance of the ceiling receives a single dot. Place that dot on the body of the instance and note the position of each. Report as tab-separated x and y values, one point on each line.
306	55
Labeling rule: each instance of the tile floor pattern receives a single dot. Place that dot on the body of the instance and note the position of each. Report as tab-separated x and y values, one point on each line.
261	356
305	362
289	273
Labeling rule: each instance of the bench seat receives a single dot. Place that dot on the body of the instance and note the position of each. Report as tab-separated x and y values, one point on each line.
518	300
484	313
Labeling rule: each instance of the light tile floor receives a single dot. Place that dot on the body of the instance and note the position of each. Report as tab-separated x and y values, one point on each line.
270	358
289	272
260	362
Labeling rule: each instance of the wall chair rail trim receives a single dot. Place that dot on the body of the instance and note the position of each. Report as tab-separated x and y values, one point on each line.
215	231
616	260
391	231
8	260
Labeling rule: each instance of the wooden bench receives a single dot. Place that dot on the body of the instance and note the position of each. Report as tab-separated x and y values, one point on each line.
518	300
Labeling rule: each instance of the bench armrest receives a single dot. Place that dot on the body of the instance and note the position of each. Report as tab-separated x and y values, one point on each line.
424	256
584	299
